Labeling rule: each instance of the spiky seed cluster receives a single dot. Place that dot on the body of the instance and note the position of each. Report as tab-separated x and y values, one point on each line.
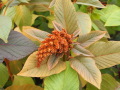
57	42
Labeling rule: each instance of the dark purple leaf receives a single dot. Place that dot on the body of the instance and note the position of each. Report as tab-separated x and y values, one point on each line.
18	47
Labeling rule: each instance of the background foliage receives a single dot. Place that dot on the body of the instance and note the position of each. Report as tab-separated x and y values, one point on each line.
29	16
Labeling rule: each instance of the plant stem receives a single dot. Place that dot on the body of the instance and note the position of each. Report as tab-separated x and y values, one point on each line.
7	7
8	67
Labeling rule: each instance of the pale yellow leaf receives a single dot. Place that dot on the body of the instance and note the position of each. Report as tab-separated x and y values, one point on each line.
65	15
30	68
33	33
84	22
107	54
86	40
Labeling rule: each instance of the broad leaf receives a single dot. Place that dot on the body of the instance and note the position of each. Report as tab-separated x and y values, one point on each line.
86	40
11	11
84	22
87	69
16	66
94	3
33	33
50	18
100	26
53	60
107	12
20	80
16	2
30	68
66	80
108	83
40	2
65	15
3	75
79	50
107	54
116	2
39	8
24	87
114	19
5	27
52	3
23	16
18	47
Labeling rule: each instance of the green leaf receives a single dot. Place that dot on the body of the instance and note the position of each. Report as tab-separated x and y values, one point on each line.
108	83
114	19
84	22
30	68
107	54
50	19
3	75
86	40
20	80
23	16
107	12
11	11
66	80
87	69
65	15
5	27
79	50
24	87
116	2
94	3
18	47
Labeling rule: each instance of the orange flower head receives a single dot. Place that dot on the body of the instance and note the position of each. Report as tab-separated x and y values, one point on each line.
58	42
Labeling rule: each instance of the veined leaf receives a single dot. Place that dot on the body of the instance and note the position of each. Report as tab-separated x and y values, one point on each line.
66	80
11	11
84	22
53	60
107	12
33	33
31	70
86	40
3	75
100	26
87	69
40	2
24	87
23	16
108	83
5	27
20	80
39	8
79	50
52	3
65	15
16	2
18	47
114	19
107	54
94	3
